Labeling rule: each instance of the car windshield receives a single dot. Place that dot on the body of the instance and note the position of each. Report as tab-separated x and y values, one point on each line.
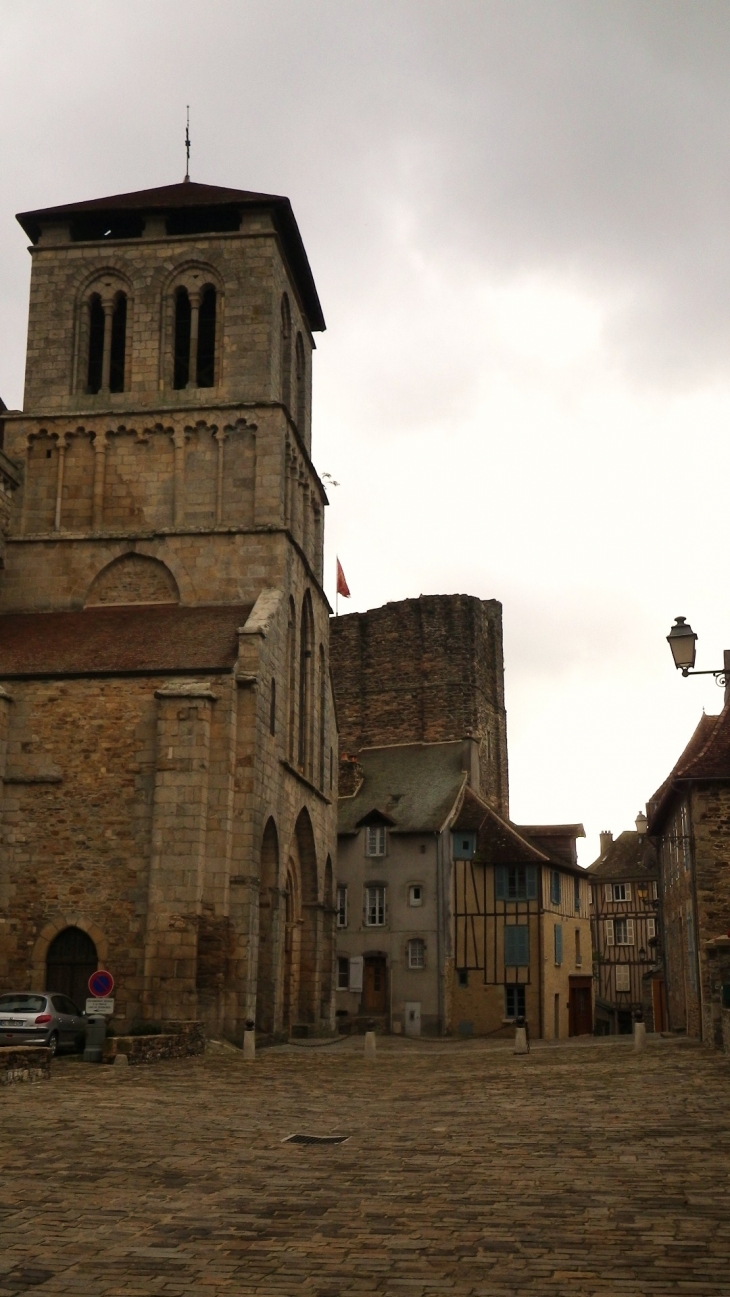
22	1003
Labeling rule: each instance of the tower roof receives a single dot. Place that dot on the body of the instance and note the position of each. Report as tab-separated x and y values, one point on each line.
214	207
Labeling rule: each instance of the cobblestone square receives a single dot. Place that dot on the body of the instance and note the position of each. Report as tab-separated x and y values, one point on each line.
582	1169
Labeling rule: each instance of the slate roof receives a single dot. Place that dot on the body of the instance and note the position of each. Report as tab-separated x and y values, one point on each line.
143	638
498	841
631	855
191	196
706	757
416	785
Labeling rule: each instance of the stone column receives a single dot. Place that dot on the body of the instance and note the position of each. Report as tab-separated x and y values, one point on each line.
177	863
221	438
106	364
99	469
178	439
59	483
193	353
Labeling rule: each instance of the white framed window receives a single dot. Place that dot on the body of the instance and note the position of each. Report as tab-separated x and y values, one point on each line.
416	953
415	894
341	905
623	932
651	927
343	973
655	891
623	977
620	892
608	925
375	840
375	906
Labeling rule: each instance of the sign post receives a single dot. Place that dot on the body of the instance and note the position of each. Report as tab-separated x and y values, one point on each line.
98	1009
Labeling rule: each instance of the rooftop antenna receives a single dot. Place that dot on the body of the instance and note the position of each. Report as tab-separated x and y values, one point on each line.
187	146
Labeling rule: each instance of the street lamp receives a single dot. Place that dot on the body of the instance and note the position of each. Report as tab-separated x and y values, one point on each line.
683	643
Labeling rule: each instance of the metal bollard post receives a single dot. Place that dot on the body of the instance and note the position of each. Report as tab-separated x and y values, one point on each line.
370	1041
249	1041
95	1037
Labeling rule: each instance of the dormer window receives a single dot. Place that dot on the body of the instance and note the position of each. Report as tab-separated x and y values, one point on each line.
375	840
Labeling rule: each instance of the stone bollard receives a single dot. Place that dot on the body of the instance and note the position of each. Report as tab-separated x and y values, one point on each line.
639	1035
121	1060
521	1040
249	1042
370	1041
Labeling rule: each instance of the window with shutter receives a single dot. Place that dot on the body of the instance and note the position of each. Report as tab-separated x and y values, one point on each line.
516	945
629	932
374	907
356	964
343	974
375	840
342	906
609	932
623	977
651	928
515	883
558	942
576	895
555	887
609	892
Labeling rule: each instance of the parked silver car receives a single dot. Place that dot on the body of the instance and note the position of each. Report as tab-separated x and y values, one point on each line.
43	1018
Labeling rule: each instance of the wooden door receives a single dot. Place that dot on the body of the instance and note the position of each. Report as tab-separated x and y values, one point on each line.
581	1009
374	989
659	1002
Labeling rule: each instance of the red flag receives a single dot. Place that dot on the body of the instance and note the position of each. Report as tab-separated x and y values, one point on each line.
342	586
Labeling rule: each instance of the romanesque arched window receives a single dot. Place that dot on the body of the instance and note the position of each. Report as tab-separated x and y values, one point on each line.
301	375
322	712
107	342
205	367
182	338
285	349
291	653
306	681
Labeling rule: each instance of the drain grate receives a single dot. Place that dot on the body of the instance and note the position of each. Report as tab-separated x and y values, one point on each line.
315	1139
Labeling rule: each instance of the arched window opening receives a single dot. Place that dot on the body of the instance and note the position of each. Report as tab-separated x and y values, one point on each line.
118	344
96	344
182	339
272	708
301	384
70	961
206	338
292	668
322	713
285	351
306	672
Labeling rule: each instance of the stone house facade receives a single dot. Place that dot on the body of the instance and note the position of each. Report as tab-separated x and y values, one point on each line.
625	925
690	818
427	855
167	730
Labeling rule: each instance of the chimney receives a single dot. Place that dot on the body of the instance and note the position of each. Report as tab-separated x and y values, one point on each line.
470	761
606	840
641	823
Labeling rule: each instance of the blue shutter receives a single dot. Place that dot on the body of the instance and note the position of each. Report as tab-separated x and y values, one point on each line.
500	883
516	945
531	883
558	943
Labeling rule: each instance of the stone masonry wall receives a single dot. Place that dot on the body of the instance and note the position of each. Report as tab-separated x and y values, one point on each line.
711	849
424	670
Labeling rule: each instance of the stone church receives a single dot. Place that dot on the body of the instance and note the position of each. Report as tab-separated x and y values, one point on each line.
168	746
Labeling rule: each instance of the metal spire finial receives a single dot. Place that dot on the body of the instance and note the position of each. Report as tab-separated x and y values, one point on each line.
187	146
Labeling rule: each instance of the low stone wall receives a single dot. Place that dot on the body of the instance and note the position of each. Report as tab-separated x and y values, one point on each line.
24	1063
179	1040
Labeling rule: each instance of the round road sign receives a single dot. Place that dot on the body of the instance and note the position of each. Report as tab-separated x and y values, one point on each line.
101	983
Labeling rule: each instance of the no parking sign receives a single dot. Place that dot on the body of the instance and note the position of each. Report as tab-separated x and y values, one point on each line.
101	983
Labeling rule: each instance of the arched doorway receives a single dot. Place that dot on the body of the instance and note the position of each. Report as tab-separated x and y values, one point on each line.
309	982
70	961
292	944
268	930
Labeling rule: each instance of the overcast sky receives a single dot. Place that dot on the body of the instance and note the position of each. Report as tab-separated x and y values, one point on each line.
518	218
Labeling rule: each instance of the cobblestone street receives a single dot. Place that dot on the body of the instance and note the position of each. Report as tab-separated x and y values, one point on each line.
581	1169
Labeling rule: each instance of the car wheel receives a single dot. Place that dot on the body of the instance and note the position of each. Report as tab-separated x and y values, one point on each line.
53	1043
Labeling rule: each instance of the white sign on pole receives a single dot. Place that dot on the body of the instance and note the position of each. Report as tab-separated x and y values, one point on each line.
104	1007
